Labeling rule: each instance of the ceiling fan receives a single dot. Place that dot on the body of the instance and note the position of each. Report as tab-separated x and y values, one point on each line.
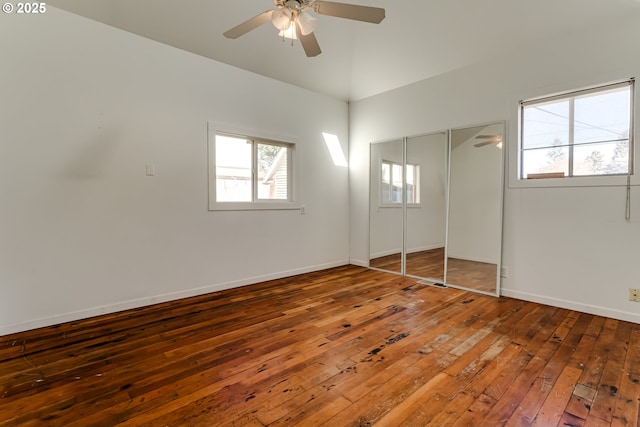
489	139
294	21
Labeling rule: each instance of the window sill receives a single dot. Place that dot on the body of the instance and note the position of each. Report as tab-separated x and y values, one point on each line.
254	206
578	181
399	205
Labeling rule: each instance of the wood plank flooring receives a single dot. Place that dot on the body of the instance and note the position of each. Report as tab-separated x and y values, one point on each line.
341	347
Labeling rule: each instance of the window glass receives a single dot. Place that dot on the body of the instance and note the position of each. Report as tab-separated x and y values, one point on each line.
273	175
233	169
602	116
546	125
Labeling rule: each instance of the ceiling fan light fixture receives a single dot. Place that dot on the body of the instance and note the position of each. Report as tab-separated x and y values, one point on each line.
290	32
307	23
281	19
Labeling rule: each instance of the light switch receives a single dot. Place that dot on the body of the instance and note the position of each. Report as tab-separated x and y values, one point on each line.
151	170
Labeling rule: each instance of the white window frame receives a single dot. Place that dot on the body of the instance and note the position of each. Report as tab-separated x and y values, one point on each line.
256	137
518	180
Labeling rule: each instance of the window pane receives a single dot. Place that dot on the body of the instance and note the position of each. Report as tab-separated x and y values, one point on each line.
396	177
412	184
233	169
602	116
601	159
545	160
545	125
272	172
386	173
385	178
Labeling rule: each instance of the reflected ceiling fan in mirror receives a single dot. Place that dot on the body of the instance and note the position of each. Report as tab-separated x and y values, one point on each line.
489	139
294	21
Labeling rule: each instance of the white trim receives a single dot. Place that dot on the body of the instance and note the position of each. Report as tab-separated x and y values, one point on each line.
482	260
254	206
359	262
388	252
572	305
425	248
576	181
13	328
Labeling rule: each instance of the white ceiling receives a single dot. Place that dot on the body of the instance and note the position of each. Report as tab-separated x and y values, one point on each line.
418	39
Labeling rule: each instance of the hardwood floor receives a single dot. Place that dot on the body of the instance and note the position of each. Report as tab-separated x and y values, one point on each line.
342	347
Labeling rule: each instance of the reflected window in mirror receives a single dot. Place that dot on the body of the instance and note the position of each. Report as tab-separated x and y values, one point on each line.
413	184
391	183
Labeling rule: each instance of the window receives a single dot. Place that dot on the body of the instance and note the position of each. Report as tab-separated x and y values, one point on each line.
250	173
582	133
391	183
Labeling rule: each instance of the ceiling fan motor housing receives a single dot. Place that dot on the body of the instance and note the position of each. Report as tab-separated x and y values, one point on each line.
296	5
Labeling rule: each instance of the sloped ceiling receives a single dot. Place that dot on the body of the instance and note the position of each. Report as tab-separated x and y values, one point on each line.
418	39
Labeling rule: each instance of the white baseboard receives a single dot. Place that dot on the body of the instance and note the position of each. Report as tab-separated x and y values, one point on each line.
425	248
359	262
386	253
482	260
13	328
572	305
409	251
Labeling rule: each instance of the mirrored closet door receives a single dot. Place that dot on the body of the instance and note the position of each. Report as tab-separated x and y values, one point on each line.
407	214
385	206
474	225
426	207
435	209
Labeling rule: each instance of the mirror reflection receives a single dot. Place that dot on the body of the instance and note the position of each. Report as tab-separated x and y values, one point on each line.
426	158
475	208
385	206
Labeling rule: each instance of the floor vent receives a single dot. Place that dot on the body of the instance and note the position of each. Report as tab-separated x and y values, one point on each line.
432	283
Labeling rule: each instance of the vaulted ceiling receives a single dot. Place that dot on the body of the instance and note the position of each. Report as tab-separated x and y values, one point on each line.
417	40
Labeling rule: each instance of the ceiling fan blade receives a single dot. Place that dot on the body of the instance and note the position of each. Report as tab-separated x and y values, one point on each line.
482	144
309	43
248	25
375	15
495	138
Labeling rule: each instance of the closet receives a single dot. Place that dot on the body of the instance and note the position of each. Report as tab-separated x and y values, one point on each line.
435	210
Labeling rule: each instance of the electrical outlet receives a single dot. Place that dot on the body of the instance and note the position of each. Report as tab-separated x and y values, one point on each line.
504	272
634	295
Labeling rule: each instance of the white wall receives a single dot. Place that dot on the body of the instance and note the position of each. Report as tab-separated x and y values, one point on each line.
83	108
569	247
